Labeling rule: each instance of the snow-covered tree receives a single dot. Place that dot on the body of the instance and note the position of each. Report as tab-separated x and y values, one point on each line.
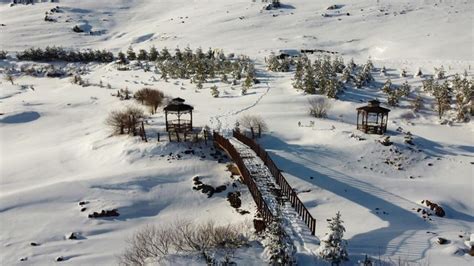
403	74
333	246
214	91
383	71
122	59
346	74
419	73
417	103
440	73
442	96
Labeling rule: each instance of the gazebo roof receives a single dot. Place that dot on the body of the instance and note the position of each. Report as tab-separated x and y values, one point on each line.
177	105
373	107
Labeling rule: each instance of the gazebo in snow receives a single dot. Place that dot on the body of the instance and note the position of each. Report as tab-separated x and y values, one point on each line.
372	118
176	109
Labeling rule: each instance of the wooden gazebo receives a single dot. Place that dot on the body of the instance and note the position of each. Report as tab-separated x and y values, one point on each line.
372	118
177	108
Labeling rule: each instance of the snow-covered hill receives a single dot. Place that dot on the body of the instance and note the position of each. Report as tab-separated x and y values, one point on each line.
56	150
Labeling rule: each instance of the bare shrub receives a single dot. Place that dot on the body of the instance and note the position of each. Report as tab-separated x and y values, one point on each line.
157	242
126	121
150	97
253	123
10	78
318	107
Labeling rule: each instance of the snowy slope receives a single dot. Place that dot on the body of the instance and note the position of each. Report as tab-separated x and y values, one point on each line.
56	150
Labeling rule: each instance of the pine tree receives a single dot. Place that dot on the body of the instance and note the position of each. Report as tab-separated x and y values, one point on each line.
346	74
142	55
224	78
131	54
442	97
272	63
405	89
214	91
333	247
309	80
248	82
417	103
419	73
333	88
122	59
165	54
383	71
299	73
153	54
403	74
440	73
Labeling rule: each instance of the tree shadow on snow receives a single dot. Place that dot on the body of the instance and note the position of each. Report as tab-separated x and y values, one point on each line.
392	240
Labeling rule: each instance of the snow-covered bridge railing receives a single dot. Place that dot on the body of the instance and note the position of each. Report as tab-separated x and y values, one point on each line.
281	181
262	206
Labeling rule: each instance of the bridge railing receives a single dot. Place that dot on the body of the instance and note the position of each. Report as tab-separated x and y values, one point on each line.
286	189
262	206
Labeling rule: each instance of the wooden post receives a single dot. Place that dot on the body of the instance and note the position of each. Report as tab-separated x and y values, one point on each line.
259	131
166	120
158	136
177	134
144	133
191	114
253	134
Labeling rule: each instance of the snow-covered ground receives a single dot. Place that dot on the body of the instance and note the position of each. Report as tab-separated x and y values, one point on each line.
57	151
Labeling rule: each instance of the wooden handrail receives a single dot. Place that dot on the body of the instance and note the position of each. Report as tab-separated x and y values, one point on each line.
286	189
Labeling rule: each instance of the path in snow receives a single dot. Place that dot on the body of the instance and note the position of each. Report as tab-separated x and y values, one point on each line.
216	121
305	243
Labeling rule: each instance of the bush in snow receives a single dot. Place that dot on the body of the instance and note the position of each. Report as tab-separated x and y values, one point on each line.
131	54
152	244
125	121
318	107
150	97
254	123
333	247
3	54
214	91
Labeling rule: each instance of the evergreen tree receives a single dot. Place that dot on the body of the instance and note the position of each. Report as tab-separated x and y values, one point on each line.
419	73
142	55
404	89
440	73
248	82
417	103
442	97
403	74
131	54
224	78
346	74
214	91
333	247
309	80
165	54
122	59
153	54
